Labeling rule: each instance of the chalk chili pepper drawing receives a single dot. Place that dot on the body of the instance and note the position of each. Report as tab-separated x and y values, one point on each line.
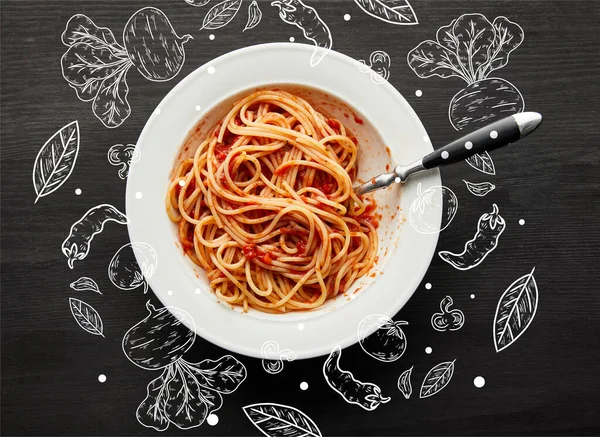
185	393
379	66
428	205
96	65
390	11
386	341
364	394
126	273
489	228
276	420
307	19
123	155
85	284
404	384
470	48
273	357
447	319
77	245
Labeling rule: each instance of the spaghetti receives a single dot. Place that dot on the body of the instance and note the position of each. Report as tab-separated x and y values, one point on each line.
266	206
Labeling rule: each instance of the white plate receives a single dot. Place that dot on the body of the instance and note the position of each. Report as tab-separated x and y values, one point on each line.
404	254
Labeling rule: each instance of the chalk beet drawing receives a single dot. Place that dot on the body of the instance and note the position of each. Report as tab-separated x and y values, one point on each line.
254	16
123	155
437	378
126	273
276	420
470	48
96	65
489	228
426	207
185	393
515	311
386	342
86	317
56	159
404	384
447	319
221	14
273	357
77	245
307	19
479	189
364	394
379	66
197	3
85	284
390	11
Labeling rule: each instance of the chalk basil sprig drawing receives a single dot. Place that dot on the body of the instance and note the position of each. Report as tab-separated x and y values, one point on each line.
391	11
276	420
221	14
254	16
404	384
437	378
86	316
85	284
479	189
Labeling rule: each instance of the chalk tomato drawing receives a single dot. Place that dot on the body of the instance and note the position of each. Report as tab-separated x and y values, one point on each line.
381	337
427	206
124	271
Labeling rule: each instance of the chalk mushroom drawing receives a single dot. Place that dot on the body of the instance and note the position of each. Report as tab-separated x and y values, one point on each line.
307	19
185	393
126	273
379	66
96	65
447	319
387	342
404	384
85	284
221	14
470	48
254	16
77	245
437	378
275	420
123	155
515	311
480	189
489	228
273	357
86	317
391	11
364	394
424	209
56	159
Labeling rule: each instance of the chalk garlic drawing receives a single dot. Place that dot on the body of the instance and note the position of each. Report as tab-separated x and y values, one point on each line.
77	245
124	271
390	11
424	209
381	337
437	379
185	393
515	311
85	284
254	16
273	357
447	319
96	65
276	420
307	19
364	394
404	384
379	66
56	159
470	48
86	317
197	3
480	189
221	14
123	155
489	228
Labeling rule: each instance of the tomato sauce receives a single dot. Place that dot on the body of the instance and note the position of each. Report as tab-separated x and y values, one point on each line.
221	152
252	251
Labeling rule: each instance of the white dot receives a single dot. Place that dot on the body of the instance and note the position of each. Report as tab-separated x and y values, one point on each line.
472	296
157	111
198	291
211	37
300	326
138	195
468	145
181	183
428	350
78	191
170	292
102	378
418	93
428	286
304	386
493	134
426	138
397	180
521	222
347	17
211	70
292	39
212	419
445	155
479	381
198	107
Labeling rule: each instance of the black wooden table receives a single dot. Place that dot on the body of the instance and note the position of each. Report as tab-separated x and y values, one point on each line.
61	378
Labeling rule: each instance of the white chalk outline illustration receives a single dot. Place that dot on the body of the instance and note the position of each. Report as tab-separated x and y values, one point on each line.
254	16
423	202
142	272
86	317
435	381
378	68
77	245
273	356
221	14
479	189
398	12
85	284
123	155
514	314
197	3
307	19
439	322
277	420
96	65
404	384
387	337
56	160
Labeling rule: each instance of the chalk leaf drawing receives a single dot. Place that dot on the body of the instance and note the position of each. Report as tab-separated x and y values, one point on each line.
427	206
185	393
126	273
254	16
390	11
221	14
479	189
381	337
307	19
364	394
276	420
86	316
471	47
197	3
123	155
55	160
447	319
437	379
273	357
379	66
404	384
516	309
77	245
85	284
96	65
489	228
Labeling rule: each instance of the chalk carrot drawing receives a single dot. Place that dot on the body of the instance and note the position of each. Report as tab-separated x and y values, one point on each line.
254	16
307	19
276	420
390	11
378	67
447	319
221	14
364	394
515	311
96	65
126	273
404	384
427	206
273	357
437	378
85	284
56	159
123	155
489	228
381	337
479	189
77	245
86	317
197	3
470	48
